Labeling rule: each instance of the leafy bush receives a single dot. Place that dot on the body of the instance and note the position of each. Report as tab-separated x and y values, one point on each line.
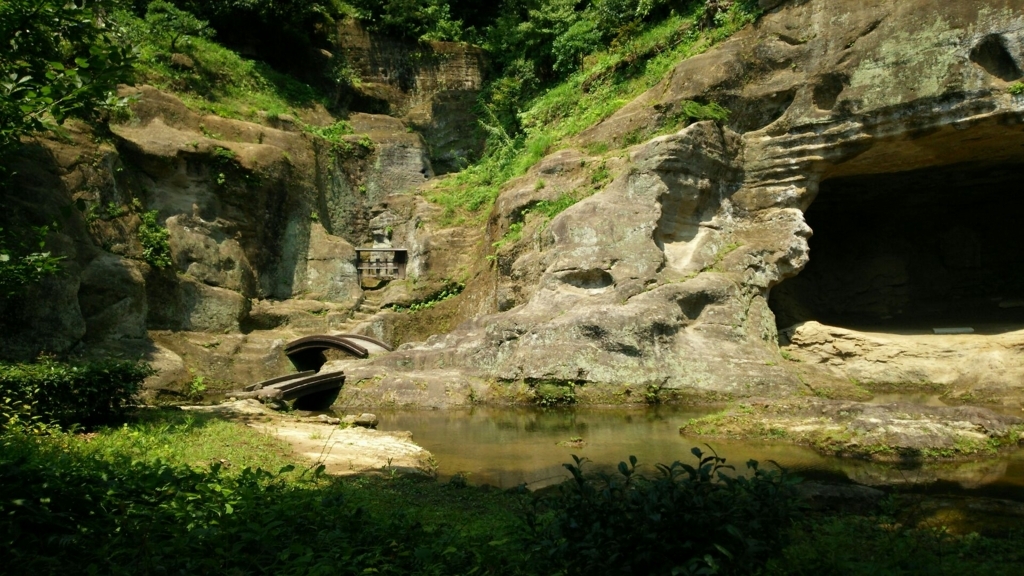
56	393
332	133
156	247
450	290
64	511
687	520
23	265
580	39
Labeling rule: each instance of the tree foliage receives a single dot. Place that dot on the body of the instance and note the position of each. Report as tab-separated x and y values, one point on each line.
58	59
287	34
168	20
417	19
25	263
50	393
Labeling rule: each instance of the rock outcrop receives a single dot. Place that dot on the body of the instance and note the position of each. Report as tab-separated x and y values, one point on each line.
666	279
431	85
892	432
261	225
658	284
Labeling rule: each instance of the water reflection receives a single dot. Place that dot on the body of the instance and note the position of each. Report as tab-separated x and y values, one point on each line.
506	447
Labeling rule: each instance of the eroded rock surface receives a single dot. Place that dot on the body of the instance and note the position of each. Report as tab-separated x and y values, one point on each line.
432	85
657	285
967	367
899	431
262	222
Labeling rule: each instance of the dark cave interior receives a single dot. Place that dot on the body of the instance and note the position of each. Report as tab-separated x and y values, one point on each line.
936	247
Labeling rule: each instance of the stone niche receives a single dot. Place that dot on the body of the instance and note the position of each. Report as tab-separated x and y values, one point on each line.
929	247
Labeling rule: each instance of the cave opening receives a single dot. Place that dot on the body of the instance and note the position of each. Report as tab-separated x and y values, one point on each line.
915	250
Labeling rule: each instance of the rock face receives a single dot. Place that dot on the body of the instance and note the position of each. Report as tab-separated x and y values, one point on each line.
891	432
970	367
668	278
433	86
659	283
261	226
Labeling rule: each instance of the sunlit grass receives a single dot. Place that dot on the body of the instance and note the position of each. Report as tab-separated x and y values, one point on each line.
219	81
607	82
179	437
224	83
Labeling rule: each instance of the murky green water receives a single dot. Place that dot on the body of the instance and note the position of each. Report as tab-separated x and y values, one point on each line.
505	447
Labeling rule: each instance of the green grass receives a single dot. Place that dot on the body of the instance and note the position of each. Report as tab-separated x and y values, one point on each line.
475	511
225	84
607	82
546	208
514	234
221	82
190	439
182	438
179	493
553	208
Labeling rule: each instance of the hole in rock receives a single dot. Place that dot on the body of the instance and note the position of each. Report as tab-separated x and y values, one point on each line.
751	114
936	247
991	54
590	279
827	91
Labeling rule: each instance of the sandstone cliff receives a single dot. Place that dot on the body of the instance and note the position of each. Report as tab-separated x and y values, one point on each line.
262	225
660	284
884	129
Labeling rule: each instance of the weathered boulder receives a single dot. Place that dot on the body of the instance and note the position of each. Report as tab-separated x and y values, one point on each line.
364	420
887	432
970	367
330	268
112	297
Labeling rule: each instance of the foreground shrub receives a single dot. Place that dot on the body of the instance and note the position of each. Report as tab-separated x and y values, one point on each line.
56	393
873	545
66	511
687	520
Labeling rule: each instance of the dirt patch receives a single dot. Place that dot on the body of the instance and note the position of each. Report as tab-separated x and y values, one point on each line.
342	451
